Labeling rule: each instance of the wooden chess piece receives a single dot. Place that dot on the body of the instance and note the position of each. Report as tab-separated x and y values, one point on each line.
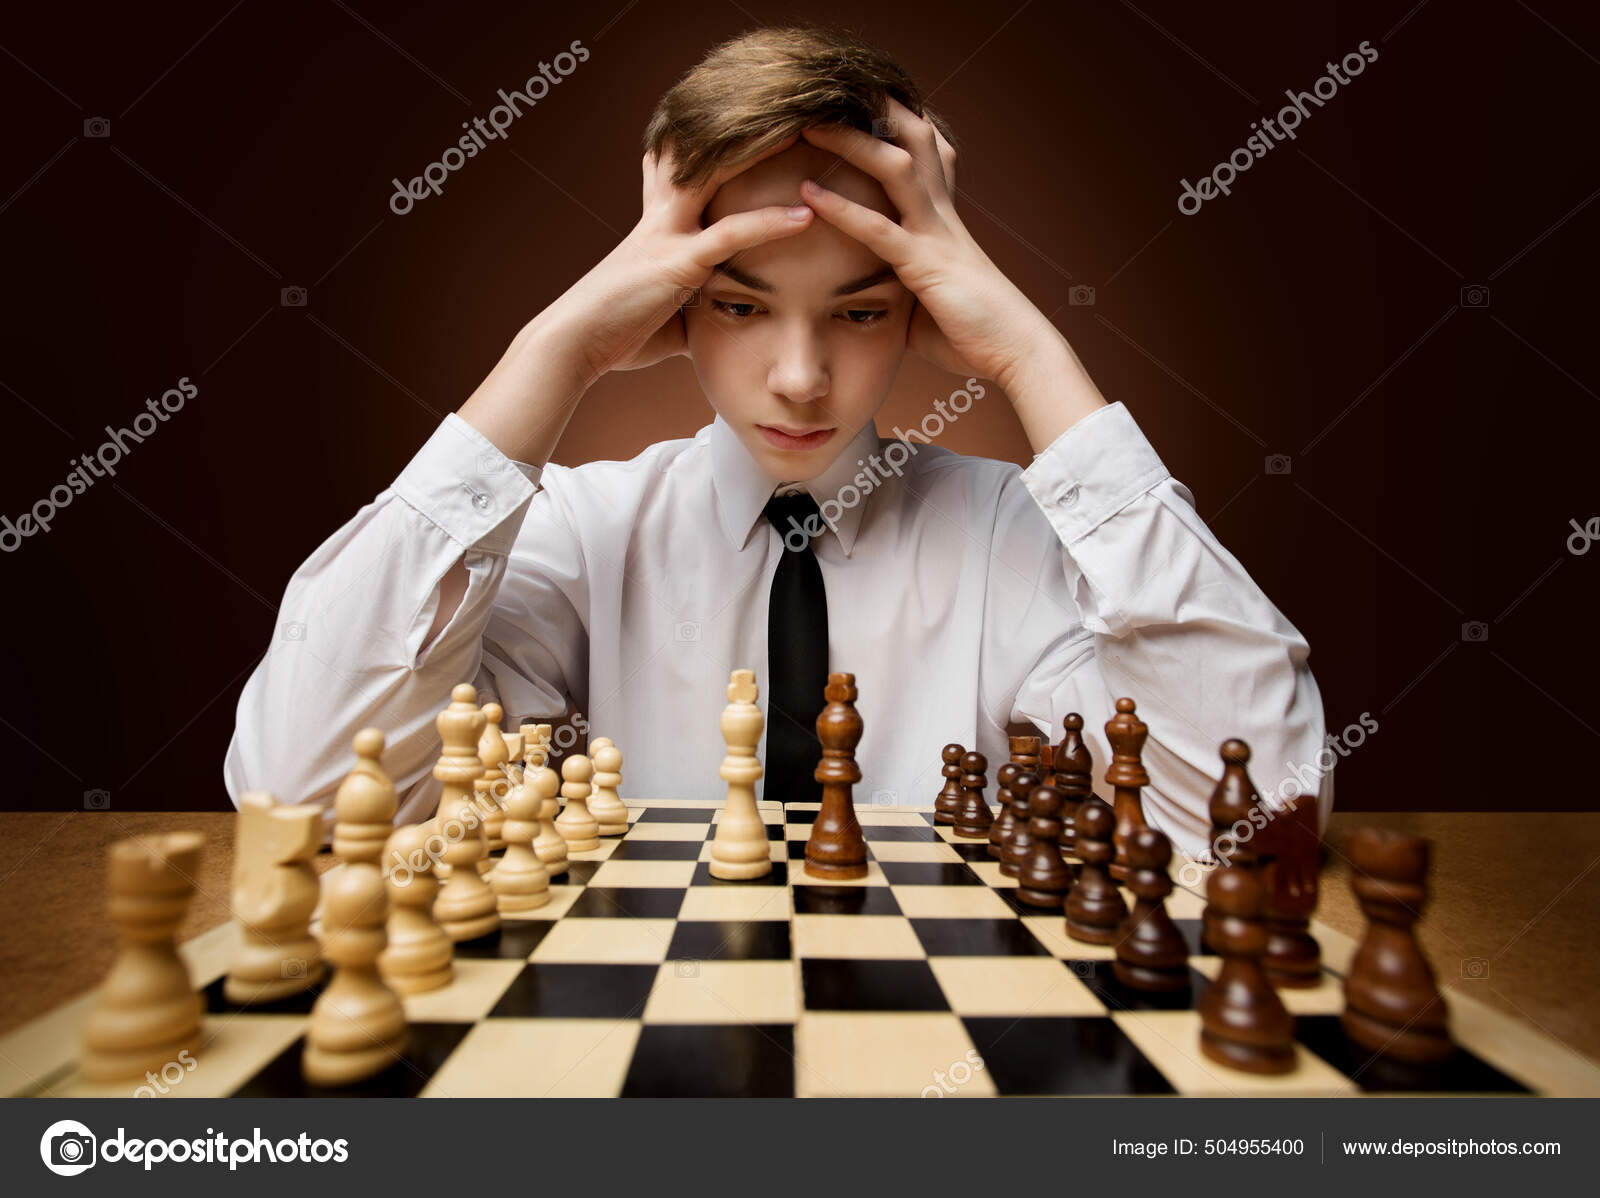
549	844
609	811
1393	1007
1094	906
364	806
274	895
357	1026
1233	827
1074	767
520	882
490	788
1290	855
465	908
740	850
1151	953
146	1012
974	819
1126	775
419	955
582	830
1243	1022
949	800
1019	844
1045	877
836	848
1005	821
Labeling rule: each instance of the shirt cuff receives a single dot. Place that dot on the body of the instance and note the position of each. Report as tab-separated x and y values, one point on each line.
1092	471
466	486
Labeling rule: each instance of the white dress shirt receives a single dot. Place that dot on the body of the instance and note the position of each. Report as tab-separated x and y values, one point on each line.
963	593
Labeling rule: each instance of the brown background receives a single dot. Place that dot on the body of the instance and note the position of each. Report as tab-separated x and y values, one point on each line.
1437	452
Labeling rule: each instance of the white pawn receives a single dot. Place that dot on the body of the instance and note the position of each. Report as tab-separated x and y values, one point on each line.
465	908
549	844
604	805
581	830
419	955
357	1027
740	850
520	881
365	805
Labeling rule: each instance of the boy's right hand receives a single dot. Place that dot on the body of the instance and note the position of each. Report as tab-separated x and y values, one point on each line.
622	315
631	302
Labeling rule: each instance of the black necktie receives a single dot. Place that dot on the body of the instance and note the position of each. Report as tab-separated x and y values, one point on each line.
797	654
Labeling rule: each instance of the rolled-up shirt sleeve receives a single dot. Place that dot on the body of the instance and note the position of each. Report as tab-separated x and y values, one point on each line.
1111	585
349	649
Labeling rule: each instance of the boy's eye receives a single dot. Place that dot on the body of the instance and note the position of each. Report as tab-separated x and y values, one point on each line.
736	310
865	316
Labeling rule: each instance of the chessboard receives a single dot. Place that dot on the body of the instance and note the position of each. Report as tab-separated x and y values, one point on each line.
645	976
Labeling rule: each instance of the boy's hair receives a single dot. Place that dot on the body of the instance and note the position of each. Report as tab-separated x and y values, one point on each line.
754	90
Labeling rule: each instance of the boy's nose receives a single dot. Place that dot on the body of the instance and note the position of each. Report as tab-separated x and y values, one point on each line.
800	373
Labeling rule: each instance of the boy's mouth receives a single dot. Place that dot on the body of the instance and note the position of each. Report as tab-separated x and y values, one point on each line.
795	440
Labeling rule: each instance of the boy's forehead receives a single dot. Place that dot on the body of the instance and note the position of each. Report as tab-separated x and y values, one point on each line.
776	180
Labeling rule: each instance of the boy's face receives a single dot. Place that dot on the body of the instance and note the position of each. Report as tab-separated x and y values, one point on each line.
794	337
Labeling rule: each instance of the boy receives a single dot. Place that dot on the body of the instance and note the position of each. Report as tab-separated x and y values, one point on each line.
786	536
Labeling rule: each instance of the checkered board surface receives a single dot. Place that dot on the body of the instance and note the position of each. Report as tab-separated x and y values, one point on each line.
644	976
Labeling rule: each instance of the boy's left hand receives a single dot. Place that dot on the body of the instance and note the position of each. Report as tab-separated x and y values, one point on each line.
969	317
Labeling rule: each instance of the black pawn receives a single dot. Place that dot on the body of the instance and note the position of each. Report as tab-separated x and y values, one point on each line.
1243	1022
1045	878
1232	801
1094	906
1151	953
1073	767
1000	830
1016	847
949	800
974	817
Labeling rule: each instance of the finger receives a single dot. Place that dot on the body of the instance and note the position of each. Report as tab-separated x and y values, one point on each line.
947	158
687	203
738	231
909	181
873	229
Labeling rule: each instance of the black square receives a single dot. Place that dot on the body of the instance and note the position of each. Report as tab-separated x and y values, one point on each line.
553	990
427	1047
627	902
513	940
977	938
776	832
1100	977
218	1003
810	899
576	873
930	873
657	850
1088	1055
779	876
712	1061
791	816
730	940
797	850
923	834
676	815
970	850
1463	1073
845	984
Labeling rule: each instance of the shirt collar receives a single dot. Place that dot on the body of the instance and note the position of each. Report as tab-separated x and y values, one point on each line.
742	488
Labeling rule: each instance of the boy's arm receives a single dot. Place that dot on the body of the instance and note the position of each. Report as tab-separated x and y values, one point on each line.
1106	583
368	635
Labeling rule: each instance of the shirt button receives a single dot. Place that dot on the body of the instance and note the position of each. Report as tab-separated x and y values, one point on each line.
480	501
1067	496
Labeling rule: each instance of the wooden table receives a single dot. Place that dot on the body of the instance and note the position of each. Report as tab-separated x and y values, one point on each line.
1516	899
